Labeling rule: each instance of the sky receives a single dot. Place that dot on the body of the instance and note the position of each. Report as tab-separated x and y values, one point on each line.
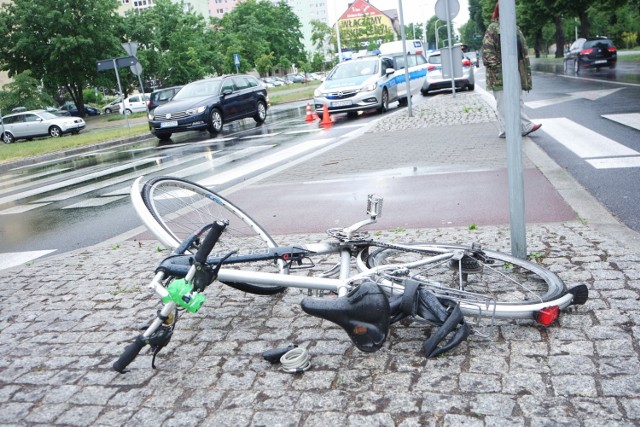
418	11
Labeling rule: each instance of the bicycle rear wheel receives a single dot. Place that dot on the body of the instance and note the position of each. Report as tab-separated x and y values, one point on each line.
181	207
486	283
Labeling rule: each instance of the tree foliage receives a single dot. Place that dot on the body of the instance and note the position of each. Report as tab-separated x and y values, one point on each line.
174	43
24	91
58	41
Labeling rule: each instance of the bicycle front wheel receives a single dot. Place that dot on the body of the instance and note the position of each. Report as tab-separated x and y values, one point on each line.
486	283
181	207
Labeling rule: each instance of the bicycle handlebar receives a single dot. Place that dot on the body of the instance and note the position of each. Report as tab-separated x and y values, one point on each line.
130	353
209	241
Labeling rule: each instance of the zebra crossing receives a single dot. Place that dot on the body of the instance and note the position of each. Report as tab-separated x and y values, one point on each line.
597	150
101	185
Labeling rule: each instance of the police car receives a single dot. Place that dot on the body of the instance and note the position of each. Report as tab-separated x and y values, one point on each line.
370	83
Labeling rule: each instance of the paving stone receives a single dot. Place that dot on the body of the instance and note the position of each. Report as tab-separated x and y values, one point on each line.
61	332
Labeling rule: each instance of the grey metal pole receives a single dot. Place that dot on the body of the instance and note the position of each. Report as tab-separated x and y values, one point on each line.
406	62
512	93
453	79
115	67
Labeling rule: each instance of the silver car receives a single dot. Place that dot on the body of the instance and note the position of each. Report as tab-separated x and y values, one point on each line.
36	123
435	80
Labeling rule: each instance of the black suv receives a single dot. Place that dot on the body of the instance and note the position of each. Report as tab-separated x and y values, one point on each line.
208	104
162	96
596	52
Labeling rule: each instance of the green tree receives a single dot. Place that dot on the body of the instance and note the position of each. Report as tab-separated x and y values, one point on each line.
24	91
265	65
174	43
255	28
59	41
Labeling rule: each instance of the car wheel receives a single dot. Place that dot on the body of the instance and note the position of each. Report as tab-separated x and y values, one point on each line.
107	110
352	114
55	132
216	123
75	132
128	112
164	136
576	66
384	102
261	112
471	87
8	138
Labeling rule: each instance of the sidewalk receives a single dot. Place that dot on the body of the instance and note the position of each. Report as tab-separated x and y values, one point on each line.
66	319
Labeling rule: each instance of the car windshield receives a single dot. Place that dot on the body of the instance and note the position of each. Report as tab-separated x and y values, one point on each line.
47	115
435	59
201	88
354	69
597	43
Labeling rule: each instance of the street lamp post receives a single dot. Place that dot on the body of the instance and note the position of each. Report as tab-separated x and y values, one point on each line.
437	29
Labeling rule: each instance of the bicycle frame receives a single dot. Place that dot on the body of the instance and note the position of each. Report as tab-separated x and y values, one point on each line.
345	280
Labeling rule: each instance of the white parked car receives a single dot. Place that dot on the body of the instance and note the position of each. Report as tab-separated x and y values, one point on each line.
36	123
135	104
436	81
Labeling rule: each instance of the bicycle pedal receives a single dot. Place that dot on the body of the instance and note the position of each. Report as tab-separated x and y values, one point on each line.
580	294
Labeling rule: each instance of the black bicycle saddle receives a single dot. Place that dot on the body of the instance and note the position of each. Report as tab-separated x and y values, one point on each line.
364	314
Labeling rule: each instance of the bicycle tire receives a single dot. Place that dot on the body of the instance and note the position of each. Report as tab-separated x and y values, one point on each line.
502	287
181	207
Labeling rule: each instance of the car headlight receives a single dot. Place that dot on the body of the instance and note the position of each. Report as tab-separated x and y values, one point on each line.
317	93
195	111
369	88
150	116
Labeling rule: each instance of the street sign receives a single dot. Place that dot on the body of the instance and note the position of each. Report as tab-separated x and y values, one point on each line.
441	9
236	59
109	64
132	49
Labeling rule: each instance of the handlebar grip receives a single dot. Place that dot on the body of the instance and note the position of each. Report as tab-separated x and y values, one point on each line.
130	353
209	241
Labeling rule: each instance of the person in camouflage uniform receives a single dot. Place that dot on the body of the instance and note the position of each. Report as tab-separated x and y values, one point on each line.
492	60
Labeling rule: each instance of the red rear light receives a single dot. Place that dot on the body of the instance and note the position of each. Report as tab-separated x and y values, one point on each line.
548	315
431	67
466	62
612	49
586	51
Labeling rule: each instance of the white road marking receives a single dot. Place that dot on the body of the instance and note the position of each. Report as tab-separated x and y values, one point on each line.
22	208
94	202
615	163
12	259
265	162
584	142
293	132
265	135
73	181
631	119
592	95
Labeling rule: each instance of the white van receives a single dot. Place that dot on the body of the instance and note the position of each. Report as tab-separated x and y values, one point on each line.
413	46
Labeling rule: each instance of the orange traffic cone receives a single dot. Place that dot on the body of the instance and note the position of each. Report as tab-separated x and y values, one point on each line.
309	117
326	118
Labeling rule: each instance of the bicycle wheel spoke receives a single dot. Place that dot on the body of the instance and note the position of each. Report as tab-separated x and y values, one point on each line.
473	277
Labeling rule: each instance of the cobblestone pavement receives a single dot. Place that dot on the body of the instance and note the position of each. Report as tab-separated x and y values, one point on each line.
65	319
